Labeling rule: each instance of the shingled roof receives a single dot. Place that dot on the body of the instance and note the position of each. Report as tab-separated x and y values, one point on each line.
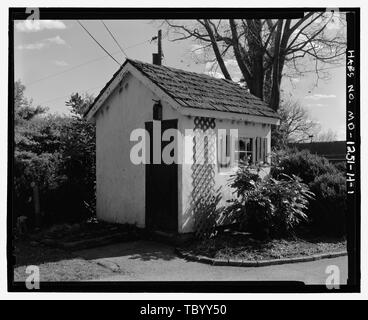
200	91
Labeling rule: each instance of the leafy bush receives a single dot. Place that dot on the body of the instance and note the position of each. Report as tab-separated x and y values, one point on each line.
254	213
341	166
328	211
269	207
57	153
31	168
245	179
326	181
303	164
291	198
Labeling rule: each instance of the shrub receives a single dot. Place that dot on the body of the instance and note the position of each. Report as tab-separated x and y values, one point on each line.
245	179
269	207
326	181
303	164
254	213
291	198
57	153
328	211
341	166
32	168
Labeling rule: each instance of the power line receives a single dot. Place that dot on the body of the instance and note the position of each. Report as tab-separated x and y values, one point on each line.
82	64
108	30
67	70
68	95
98	43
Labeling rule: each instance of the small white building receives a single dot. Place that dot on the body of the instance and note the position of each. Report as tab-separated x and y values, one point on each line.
165	196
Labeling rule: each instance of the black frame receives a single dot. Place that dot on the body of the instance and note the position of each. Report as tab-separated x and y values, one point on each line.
353	19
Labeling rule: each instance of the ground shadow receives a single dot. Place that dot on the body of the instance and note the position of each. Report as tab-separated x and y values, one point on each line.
25	253
135	250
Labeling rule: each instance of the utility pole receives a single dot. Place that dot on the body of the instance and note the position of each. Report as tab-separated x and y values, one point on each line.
159	44
157	57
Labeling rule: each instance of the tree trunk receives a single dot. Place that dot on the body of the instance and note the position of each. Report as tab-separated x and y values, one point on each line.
253	34
267	86
276	78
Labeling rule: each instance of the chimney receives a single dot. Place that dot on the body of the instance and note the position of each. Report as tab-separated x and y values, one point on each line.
157	57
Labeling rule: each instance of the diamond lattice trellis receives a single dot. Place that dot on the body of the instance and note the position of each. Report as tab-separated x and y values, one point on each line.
203	172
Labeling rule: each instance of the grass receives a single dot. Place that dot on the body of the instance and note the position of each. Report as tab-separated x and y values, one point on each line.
60	265
54	264
243	247
83	231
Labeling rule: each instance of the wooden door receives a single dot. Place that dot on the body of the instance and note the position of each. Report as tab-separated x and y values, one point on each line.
161	187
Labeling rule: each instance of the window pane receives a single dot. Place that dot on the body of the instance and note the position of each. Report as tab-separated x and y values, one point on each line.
223	153
242	156
245	149
250	157
249	145
241	145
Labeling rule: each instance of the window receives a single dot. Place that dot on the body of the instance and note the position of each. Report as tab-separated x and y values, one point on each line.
260	148
244	150
233	149
224	151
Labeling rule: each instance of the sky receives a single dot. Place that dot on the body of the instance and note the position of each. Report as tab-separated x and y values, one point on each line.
55	58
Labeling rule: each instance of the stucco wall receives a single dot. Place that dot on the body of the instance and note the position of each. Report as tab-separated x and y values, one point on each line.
121	184
221	177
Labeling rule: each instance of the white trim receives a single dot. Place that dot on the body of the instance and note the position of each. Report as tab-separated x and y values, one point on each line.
129	68
228	115
106	93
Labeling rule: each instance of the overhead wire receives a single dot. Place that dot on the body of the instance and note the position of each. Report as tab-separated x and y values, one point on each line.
90	61
68	95
100	45
116	41
81	64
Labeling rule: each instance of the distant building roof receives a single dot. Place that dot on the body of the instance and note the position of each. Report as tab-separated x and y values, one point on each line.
200	91
332	150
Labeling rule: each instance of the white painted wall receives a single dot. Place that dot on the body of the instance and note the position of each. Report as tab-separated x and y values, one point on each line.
251	130
121	184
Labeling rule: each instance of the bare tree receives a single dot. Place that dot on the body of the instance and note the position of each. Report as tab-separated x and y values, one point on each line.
326	136
263	47
295	125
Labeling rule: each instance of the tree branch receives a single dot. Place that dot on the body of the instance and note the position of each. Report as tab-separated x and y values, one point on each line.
216	51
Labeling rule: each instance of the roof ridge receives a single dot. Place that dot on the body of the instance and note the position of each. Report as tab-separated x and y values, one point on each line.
181	70
238	87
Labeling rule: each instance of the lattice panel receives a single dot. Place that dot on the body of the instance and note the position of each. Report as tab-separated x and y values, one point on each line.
203	167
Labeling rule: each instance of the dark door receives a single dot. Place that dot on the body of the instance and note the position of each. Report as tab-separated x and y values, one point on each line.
161	187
